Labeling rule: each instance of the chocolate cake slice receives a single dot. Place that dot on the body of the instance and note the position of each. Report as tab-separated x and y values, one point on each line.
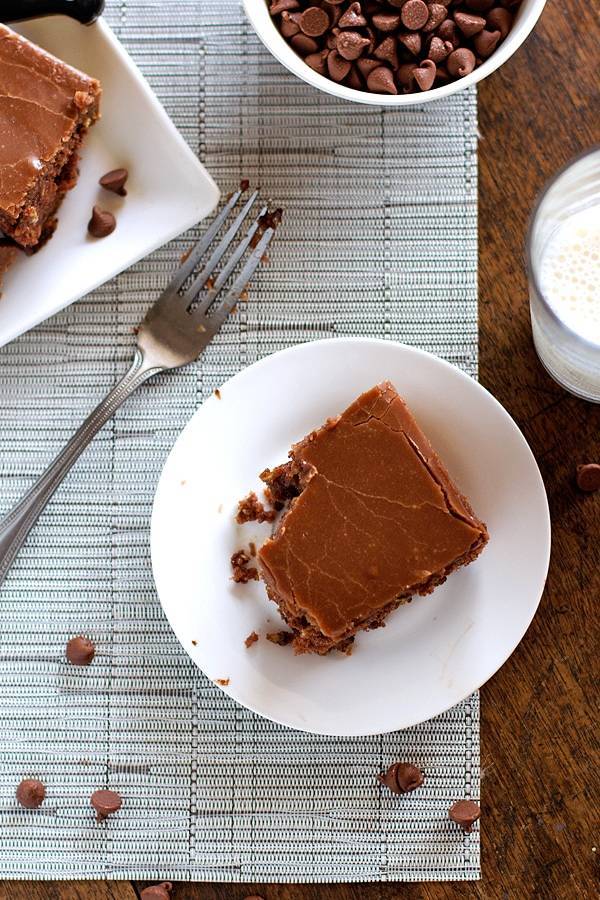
372	518
46	107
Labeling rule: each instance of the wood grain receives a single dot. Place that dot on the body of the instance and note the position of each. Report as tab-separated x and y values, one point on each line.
540	724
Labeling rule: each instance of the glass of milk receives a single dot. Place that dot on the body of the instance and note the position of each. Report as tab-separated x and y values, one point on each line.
563	260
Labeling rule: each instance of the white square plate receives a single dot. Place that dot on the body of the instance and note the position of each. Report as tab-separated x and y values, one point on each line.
134	132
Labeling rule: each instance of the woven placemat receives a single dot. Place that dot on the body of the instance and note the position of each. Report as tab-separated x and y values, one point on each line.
379	239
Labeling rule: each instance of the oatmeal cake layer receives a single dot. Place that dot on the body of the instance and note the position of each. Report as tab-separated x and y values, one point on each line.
45	109
373	517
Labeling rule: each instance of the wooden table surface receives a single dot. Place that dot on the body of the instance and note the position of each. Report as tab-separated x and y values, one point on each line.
539	830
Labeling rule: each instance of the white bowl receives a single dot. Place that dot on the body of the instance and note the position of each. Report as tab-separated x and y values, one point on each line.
258	14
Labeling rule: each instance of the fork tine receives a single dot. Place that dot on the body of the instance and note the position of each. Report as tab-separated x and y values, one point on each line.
218	253
194	290
233	294
199	249
239	251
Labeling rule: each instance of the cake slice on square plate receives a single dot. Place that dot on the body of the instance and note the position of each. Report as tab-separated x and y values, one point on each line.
371	518
46	108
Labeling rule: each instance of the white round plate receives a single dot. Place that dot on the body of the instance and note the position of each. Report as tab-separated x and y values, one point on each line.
434	651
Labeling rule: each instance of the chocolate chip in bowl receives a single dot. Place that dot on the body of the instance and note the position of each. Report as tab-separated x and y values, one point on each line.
392	52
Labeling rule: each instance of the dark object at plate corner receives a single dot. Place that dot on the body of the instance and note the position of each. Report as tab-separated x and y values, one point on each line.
84	11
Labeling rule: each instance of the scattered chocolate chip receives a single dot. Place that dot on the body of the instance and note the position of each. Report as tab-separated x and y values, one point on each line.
105	803
115	181
244	184
424	74
401	778
352	18
102	223
80	651
469	24
381	81
414	14
157	891
251	639
465	813
461	62
588	477
314	21
31	793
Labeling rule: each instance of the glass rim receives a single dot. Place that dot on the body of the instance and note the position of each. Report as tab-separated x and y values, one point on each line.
531	272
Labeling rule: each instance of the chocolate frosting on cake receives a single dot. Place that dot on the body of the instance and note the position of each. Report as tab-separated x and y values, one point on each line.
377	519
44	106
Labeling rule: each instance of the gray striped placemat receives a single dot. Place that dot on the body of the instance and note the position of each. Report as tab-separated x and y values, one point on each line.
380	239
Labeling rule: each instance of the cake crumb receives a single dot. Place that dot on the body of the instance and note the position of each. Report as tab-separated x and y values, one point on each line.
252	546
250	509
251	639
269	496
242	572
280	637
194	643
222	681
217	393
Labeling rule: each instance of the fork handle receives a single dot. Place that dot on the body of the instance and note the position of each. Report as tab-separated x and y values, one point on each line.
19	522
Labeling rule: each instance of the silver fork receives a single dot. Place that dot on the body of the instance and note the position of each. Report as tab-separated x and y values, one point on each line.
184	319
